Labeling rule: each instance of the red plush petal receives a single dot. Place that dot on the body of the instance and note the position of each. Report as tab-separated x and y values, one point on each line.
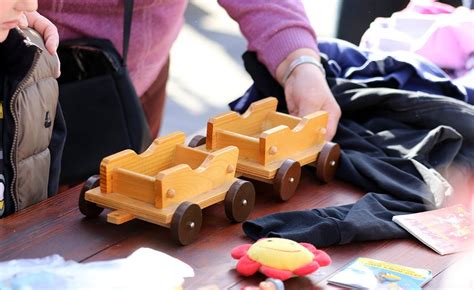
310	247
247	266
275	273
322	258
240	251
306	269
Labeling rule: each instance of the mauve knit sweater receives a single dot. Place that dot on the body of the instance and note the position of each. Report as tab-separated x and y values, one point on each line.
273	29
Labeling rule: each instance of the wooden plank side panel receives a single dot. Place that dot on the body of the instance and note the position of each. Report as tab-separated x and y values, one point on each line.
275	119
158	156
280	142
249	124
248	146
135	185
190	156
180	182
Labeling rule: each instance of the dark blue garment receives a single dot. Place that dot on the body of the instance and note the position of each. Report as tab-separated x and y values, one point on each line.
380	131
398	70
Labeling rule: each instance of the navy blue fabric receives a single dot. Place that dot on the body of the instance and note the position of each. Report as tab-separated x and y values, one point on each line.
398	70
56	148
381	129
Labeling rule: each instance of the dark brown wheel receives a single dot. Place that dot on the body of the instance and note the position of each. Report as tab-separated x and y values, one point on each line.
197	141
239	201
186	223
87	208
287	179
327	162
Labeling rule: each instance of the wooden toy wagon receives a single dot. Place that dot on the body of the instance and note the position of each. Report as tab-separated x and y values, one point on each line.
168	185
273	146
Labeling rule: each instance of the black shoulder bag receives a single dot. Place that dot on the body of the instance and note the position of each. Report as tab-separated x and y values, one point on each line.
102	110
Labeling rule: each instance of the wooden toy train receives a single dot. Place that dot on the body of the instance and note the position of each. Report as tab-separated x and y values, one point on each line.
170	183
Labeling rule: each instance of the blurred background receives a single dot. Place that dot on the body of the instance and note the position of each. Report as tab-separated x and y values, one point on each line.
206	70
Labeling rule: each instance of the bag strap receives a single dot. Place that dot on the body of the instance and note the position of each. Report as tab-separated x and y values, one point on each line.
127	27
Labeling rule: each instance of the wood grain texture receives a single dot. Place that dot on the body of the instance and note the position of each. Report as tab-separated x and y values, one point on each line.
264	135
119	217
158	156
248	124
166	174
56	226
288	141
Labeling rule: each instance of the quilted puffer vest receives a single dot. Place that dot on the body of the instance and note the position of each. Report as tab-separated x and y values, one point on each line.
32	127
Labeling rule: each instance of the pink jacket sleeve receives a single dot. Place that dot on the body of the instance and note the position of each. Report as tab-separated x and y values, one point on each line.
273	28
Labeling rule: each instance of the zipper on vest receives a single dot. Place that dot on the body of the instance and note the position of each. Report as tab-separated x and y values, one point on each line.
15	120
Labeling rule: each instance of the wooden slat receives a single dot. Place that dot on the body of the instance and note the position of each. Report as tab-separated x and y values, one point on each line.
249	123
266	173
248	146
280	142
276	118
190	156
134	185
146	211
184	183
119	217
55	226
158	156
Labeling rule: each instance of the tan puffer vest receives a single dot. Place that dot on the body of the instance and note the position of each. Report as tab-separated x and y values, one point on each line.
29	112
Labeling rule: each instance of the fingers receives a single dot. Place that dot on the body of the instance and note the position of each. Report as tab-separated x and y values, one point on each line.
334	113
52	38
46	28
23	21
306	91
58	67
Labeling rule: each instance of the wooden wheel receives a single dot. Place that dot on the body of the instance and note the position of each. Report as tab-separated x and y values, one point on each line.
87	208
186	223
287	179
239	200
327	162
197	141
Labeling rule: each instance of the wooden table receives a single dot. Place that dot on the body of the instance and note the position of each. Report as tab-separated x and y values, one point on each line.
56	226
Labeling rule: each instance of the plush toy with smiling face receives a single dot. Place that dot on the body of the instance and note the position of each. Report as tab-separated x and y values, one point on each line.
279	258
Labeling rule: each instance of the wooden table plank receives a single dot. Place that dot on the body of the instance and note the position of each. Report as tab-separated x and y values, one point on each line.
56	226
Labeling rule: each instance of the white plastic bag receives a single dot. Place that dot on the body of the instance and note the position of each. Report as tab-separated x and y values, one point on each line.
144	269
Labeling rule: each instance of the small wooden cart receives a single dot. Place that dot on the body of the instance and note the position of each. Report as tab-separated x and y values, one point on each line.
168	185
273	146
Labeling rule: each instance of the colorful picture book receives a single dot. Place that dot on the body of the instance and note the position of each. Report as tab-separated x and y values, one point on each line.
446	230
365	273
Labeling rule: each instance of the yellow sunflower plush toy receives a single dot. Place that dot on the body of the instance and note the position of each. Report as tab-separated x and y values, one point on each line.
279	258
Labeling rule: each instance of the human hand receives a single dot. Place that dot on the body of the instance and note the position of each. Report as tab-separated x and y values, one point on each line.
43	26
46	28
306	90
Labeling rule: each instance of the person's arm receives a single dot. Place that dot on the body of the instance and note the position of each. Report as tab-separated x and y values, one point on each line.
279	32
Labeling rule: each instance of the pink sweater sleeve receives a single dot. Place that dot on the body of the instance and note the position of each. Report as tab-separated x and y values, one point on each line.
273	28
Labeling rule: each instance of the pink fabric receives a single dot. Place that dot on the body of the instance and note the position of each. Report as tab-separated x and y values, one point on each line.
445	39
429	7
273	28
451	43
